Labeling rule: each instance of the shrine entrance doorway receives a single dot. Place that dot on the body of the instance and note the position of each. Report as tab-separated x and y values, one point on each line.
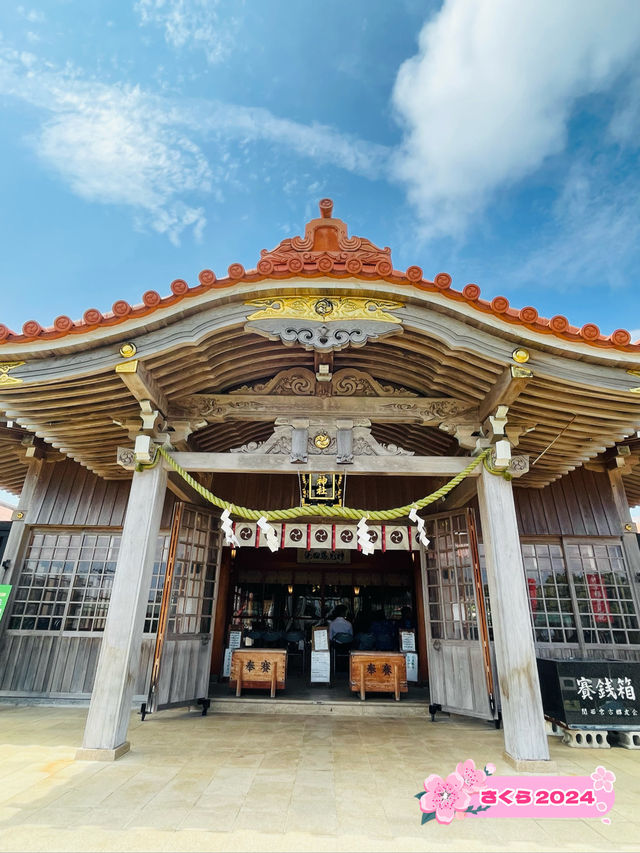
285	595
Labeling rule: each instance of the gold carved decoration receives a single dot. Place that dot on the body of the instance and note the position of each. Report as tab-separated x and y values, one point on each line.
5	367
322	440
324	308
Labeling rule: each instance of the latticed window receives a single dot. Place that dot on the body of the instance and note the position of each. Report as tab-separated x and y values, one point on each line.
603	593
66	580
450	582
579	592
157	583
194	574
550	604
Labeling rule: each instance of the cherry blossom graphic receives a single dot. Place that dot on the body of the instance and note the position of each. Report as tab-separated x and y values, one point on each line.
444	797
450	798
472	778
603	779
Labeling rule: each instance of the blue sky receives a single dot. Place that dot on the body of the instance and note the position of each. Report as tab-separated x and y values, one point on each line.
144	140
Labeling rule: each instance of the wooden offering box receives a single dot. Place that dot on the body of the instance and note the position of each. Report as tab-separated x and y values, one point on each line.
264	669
379	672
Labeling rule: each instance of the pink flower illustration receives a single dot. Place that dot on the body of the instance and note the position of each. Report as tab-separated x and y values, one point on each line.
472	778
444	796
490	769
603	779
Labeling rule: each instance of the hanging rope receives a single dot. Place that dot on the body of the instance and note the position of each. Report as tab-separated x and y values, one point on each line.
321	509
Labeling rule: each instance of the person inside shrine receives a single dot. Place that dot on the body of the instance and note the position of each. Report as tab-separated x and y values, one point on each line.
406	618
340	624
383	631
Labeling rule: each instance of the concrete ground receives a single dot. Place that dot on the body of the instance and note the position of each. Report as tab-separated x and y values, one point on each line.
262	782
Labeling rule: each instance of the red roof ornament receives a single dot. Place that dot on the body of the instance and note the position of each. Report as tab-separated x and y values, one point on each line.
326	247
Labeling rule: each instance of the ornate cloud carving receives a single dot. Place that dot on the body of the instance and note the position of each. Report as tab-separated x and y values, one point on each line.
331	336
435	409
351	382
297	381
301	382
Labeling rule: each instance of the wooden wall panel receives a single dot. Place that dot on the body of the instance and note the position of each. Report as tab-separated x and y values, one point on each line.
59	665
71	496
579	504
279	491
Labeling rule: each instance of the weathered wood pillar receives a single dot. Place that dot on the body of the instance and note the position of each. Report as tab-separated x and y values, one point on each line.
24	517
19	527
523	718
110	709
627	527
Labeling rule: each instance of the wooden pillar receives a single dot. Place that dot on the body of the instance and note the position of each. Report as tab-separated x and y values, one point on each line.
21	522
627	529
111	700
523	718
24	517
421	624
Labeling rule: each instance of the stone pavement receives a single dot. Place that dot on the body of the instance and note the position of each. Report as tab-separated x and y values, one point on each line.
251	782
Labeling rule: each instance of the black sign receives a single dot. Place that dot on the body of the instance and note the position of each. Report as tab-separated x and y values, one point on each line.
322	489
591	694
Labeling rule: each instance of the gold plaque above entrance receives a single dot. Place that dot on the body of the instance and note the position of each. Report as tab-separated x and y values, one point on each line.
324	308
321	488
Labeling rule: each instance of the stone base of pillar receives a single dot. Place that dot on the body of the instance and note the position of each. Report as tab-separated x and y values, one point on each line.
530	765
103	754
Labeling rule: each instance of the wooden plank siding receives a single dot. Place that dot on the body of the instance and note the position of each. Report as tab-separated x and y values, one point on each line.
60	666
579	504
71	496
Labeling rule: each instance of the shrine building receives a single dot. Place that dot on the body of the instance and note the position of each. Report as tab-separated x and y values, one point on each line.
185	467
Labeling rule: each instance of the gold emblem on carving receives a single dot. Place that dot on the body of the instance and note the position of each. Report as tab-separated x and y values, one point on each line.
322	440
128	350
323	307
5	367
311	307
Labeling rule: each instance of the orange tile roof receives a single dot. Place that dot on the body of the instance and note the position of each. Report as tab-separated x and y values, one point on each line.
325	250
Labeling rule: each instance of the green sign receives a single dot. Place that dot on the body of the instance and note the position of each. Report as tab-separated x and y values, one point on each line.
5	589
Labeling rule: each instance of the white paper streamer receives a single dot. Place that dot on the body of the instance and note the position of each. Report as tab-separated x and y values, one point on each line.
422	536
270	534
227	528
364	537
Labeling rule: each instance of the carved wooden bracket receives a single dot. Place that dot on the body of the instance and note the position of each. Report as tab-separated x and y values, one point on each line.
347	382
338	437
251	407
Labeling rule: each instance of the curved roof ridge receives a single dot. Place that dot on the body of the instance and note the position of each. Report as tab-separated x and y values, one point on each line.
325	250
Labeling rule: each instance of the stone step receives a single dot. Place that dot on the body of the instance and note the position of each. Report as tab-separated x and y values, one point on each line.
259	705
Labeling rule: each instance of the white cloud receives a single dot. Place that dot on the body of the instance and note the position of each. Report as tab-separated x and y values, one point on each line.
34	16
112	144
118	144
593	235
489	94
193	22
321	143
